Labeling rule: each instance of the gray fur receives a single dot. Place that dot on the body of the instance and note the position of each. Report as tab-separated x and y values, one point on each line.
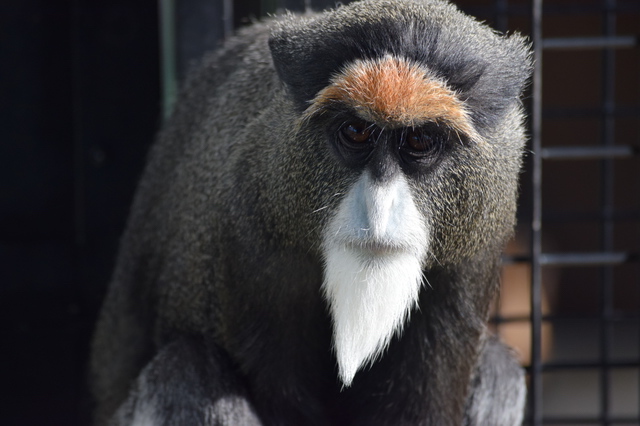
497	383
214	314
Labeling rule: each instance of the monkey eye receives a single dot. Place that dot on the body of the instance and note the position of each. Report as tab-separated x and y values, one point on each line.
420	143
356	134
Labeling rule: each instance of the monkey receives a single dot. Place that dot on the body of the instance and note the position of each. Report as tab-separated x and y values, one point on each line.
316	237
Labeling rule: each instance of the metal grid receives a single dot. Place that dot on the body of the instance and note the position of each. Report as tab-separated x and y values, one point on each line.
606	258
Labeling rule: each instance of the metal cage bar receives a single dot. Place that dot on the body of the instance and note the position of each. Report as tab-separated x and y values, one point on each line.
607	207
535	371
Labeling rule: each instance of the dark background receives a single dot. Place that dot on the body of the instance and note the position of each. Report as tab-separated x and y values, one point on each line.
80	102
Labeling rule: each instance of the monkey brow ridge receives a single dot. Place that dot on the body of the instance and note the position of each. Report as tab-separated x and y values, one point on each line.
395	92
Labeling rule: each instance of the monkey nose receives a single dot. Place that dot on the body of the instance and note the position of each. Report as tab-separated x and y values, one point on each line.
379	217
383	205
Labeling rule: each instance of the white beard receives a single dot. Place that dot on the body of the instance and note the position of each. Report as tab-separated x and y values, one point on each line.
374	248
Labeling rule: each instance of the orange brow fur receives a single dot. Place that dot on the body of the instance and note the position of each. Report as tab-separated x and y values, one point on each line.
394	92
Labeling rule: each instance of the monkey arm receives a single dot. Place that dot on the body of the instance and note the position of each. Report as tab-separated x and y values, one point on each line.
498	390
187	383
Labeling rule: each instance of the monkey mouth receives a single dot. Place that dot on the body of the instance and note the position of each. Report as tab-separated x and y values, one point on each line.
378	248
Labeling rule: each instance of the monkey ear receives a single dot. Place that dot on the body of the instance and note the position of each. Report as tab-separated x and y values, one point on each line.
490	75
303	63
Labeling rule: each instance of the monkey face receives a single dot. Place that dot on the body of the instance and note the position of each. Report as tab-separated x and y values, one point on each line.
414	126
414	89
389	122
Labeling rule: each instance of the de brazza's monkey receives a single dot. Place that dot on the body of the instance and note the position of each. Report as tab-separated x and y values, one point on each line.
316	239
